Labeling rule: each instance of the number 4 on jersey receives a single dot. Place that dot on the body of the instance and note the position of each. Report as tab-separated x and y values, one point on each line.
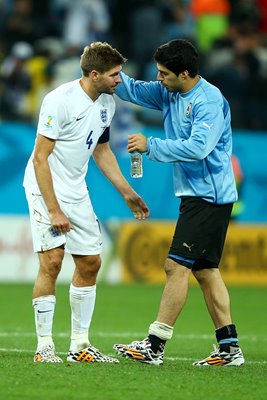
89	140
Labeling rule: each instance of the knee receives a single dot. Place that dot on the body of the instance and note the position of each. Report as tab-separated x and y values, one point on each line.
94	264
168	267
52	266
90	266
204	276
171	267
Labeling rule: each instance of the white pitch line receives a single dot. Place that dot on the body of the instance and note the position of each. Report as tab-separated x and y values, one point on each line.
5	350
189	336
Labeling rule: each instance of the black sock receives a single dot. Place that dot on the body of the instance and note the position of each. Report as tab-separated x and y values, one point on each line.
228	334
157	344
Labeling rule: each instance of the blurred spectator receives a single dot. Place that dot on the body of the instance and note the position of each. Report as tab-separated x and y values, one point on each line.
179	21
234	80
67	67
15	83
238	66
230	34
146	33
85	21
21	24
4	9
245	14
137	29
211	21
38	67
121	11
50	22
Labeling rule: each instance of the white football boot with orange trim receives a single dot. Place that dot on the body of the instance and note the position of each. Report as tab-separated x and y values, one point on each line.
47	355
90	354
217	358
140	351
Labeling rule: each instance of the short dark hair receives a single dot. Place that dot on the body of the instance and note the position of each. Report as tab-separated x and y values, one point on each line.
178	55
100	56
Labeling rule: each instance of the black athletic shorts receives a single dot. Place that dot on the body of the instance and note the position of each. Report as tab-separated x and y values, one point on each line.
200	233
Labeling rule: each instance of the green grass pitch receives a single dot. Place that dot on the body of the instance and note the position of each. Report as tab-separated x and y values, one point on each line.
122	314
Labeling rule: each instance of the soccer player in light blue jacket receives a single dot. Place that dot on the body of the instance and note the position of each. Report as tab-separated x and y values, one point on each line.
198	143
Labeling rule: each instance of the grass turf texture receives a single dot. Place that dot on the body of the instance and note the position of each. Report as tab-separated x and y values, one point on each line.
123	314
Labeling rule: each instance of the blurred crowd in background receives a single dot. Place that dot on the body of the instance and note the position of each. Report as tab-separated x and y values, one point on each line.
41	42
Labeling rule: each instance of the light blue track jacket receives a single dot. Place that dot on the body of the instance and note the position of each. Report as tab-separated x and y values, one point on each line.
198	137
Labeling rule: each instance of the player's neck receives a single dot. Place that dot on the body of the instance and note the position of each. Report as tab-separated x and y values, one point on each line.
191	82
89	89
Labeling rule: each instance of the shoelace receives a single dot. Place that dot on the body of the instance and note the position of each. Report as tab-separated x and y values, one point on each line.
49	352
143	344
215	352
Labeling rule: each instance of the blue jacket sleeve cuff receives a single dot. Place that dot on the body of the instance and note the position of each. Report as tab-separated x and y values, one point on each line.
149	144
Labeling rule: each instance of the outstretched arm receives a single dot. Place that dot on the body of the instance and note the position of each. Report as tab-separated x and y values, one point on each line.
107	163
145	94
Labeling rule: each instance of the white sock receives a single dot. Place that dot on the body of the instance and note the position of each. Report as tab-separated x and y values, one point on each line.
44	308
161	330
82	302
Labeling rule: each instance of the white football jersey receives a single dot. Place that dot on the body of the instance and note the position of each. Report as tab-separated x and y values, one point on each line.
69	116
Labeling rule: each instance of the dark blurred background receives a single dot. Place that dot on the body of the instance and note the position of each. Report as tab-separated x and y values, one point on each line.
41	41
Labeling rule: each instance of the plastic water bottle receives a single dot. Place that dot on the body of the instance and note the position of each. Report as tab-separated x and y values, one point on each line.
136	165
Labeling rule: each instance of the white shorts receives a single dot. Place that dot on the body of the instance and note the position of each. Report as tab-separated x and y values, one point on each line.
83	239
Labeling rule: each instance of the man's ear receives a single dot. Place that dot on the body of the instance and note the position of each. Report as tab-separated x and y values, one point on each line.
94	75
184	74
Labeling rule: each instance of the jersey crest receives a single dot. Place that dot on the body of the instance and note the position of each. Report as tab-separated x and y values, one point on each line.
188	110
104	115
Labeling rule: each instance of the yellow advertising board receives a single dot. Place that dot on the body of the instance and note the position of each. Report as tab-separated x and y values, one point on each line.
143	247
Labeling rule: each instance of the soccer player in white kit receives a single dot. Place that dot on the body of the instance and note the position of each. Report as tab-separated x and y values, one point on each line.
73	126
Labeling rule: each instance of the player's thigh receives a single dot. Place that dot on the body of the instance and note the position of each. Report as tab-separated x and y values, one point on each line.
200	231
85	238
44	237
89	264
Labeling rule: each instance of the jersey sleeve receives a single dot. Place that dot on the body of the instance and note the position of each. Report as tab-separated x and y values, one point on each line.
104	138
207	129
52	115
145	94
